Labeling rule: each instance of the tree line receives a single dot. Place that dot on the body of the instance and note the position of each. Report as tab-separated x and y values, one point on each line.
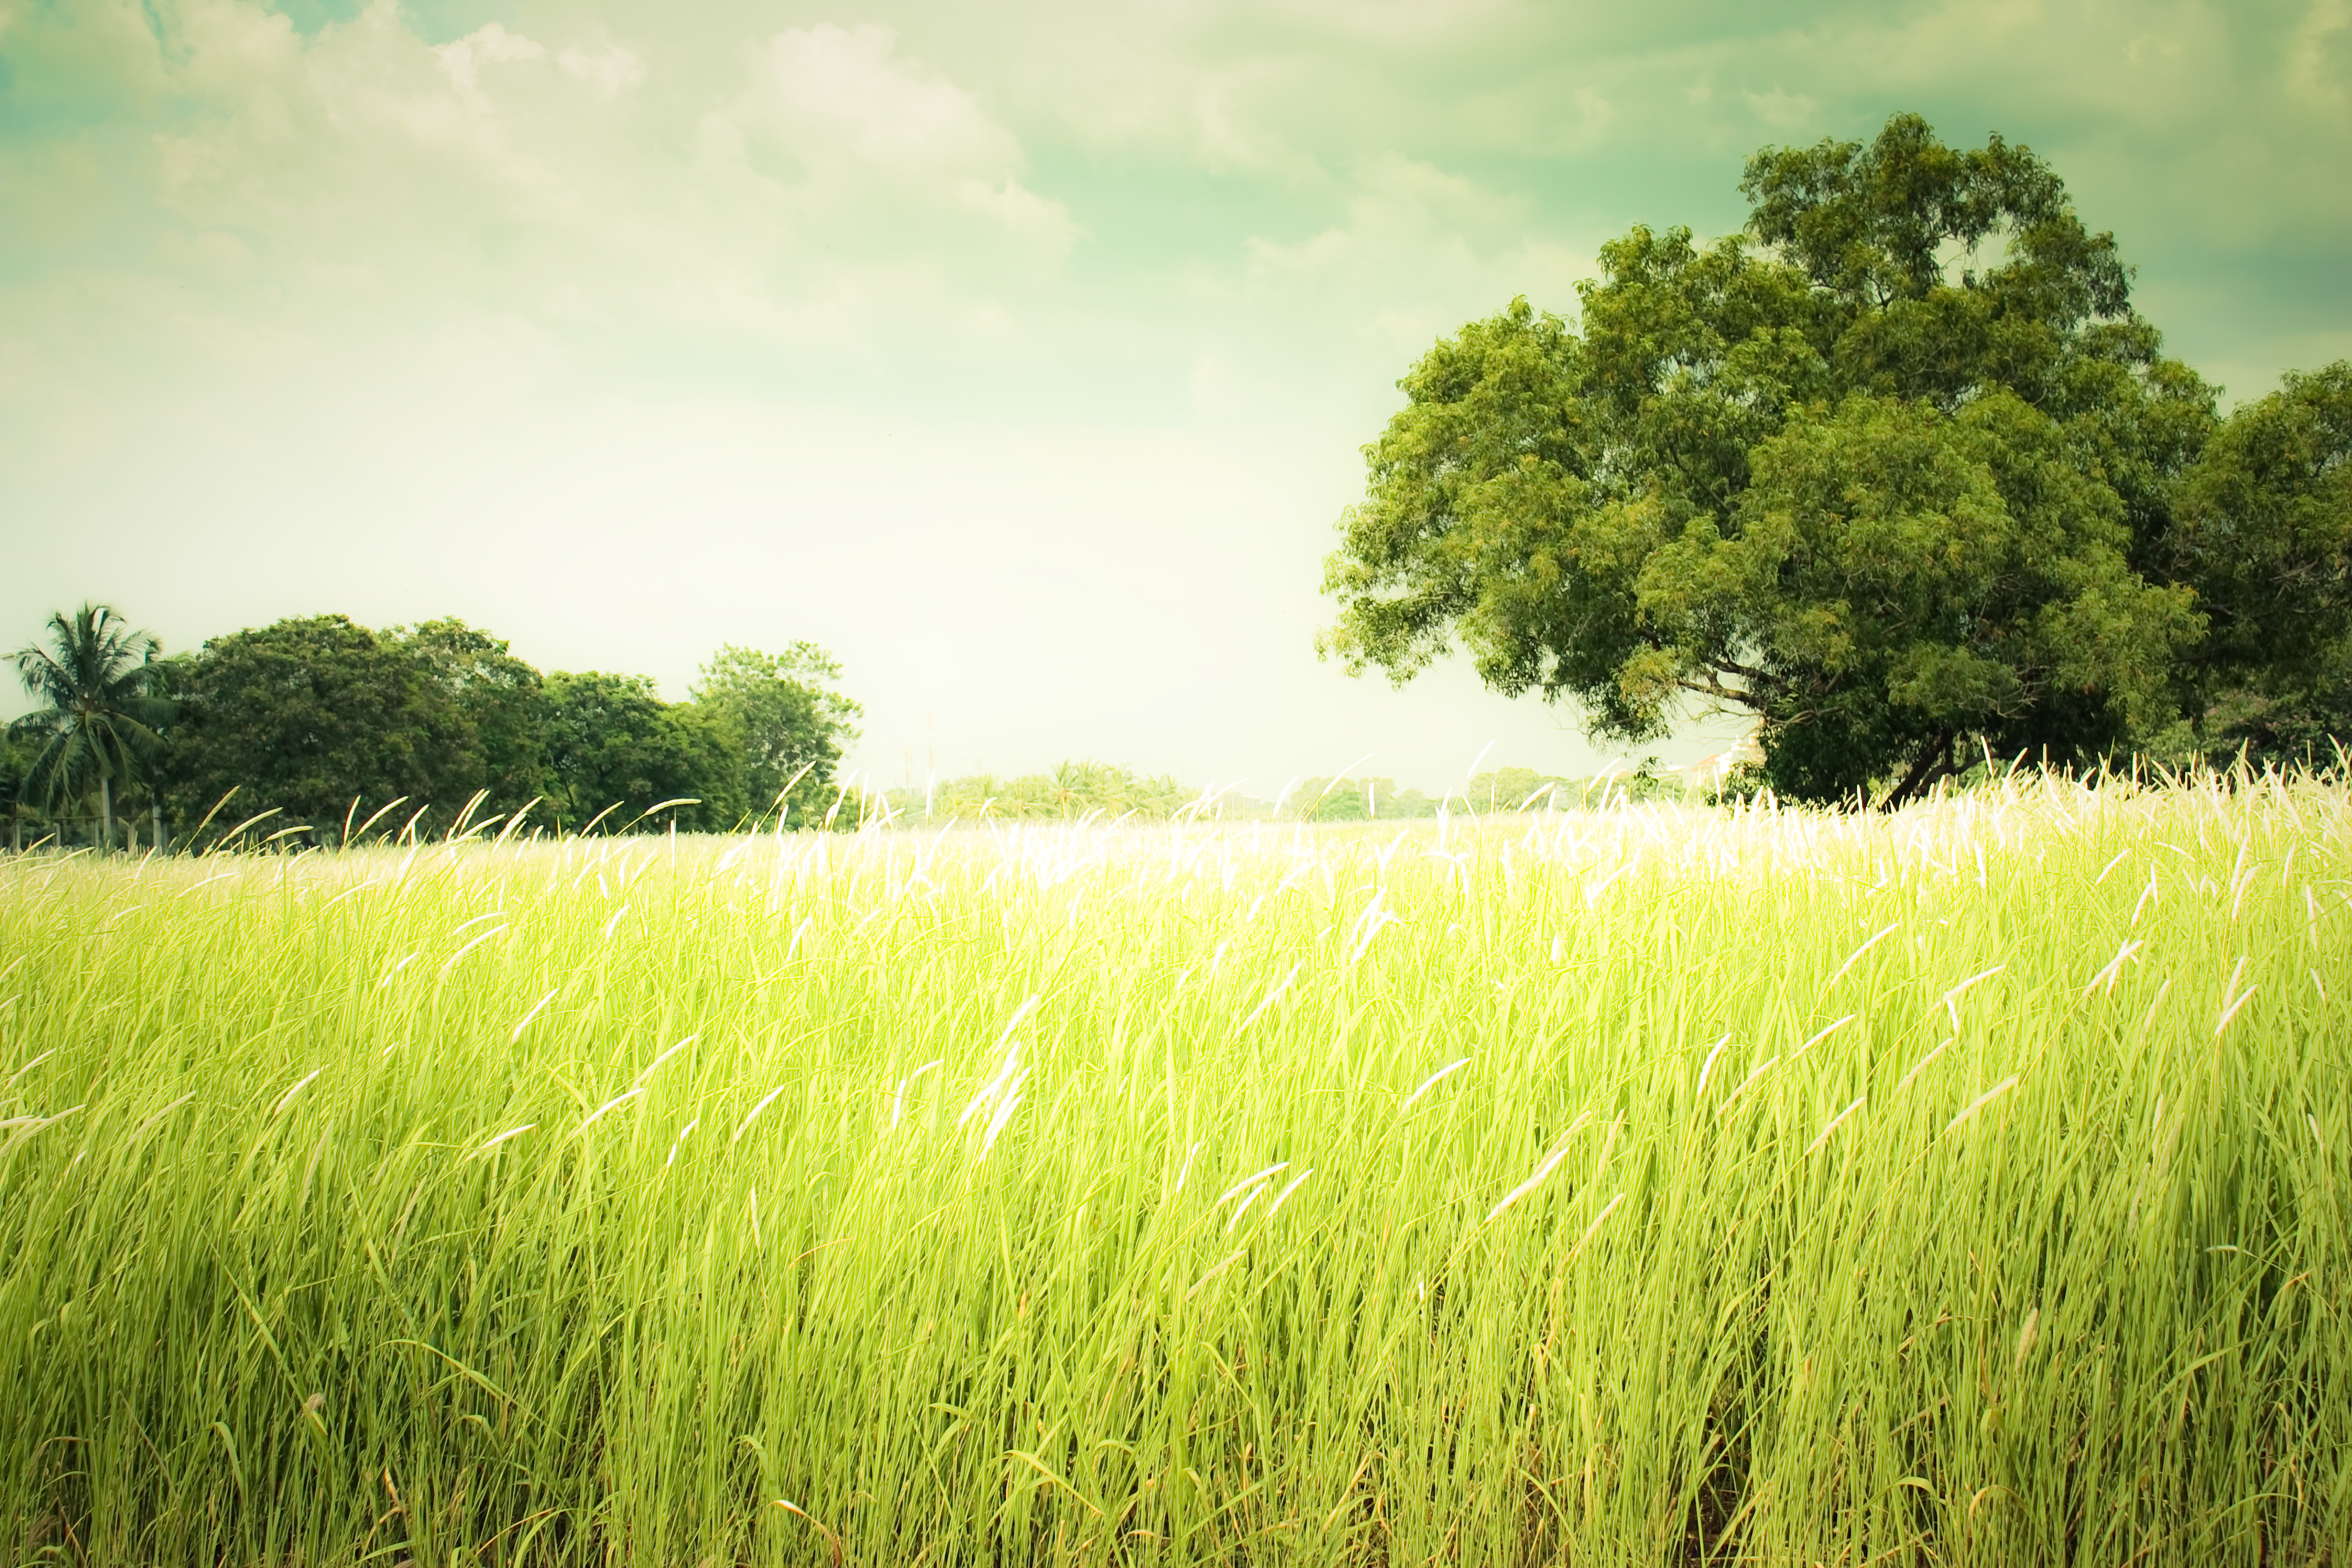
319	729
1076	791
1899	472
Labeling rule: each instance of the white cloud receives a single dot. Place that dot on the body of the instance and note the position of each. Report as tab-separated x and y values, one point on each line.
818	186
847	94
1785	112
1419	245
838	128
2316	60
611	68
463	60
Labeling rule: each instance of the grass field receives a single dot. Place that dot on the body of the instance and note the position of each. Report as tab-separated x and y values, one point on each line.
1657	1187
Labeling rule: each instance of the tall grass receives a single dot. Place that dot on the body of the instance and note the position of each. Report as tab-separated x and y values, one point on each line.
1966	1186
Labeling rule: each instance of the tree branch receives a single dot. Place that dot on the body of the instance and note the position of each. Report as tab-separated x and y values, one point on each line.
1934	760
1722	693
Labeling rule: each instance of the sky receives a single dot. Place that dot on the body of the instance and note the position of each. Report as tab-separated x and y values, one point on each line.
1021	354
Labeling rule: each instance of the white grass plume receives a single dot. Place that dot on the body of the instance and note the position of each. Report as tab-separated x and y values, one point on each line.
1432	1081
655	1066
613	1104
745	1125
536	1008
1980	1102
1533	1182
1250	1181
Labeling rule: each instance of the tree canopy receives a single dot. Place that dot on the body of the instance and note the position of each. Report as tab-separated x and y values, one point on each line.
494	713
306	715
789	722
1898	471
329	723
2265	530
616	750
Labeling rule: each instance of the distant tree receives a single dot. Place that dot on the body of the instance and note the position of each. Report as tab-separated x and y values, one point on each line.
98	680
1073	789
1362	799
791	720
1344	803
305	715
2264	532
616	750
1890	472
1401	804
1516	788
1323	799
1077	788
494	737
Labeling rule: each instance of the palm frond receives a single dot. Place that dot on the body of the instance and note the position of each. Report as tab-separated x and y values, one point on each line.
97	680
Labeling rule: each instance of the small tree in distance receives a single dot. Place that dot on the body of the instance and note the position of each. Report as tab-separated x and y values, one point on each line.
790	722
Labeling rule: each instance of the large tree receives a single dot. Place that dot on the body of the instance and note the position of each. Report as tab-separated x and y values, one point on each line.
1889	472
98	682
320	717
791	722
307	716
616	750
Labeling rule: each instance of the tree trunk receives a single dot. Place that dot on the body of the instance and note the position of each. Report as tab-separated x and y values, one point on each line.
106	810
156	806
1935	760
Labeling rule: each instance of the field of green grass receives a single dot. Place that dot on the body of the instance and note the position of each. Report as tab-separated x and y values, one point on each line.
1659	1187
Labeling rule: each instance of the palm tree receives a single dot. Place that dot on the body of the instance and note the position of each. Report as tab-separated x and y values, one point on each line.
99	681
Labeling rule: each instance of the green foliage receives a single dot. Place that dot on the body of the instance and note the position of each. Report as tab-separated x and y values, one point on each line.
2265	530
616	750
496	733
1902	298
1345	802
15	758
99	684
793	724
1879	473
1639	1190
307	715
1072	790
1355	799
1926	585
329	723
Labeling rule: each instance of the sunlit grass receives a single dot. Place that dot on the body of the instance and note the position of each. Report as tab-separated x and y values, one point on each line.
1968	1186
